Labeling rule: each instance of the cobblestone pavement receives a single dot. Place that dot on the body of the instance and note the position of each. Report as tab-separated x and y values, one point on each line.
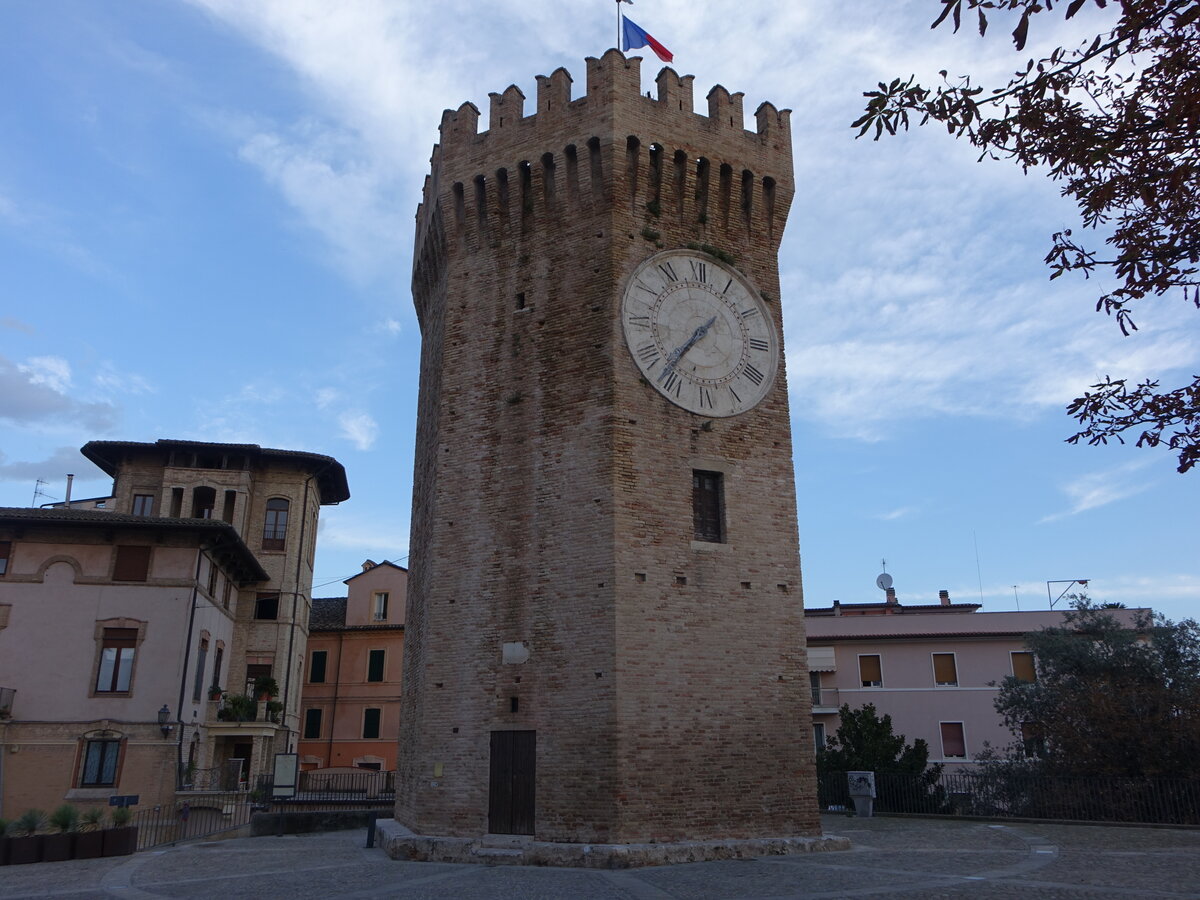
903	858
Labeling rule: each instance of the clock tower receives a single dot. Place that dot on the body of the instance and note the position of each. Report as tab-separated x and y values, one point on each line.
605	651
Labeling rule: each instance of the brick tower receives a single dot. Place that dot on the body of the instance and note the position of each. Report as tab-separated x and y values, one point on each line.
605	637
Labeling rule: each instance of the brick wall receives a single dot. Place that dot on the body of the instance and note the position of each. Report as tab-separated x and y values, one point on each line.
552	492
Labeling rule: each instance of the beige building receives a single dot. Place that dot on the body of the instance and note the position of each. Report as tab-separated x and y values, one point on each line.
125	630
350	706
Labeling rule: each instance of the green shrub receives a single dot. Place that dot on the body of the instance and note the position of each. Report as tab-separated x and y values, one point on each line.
92	818
121	816
29	822
65	818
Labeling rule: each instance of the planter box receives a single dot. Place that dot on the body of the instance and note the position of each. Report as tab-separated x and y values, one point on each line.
58	847
120	841
3	850
23	850
89	845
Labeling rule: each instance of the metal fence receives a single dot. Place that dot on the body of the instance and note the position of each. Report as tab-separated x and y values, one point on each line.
364	789
997	793
192	818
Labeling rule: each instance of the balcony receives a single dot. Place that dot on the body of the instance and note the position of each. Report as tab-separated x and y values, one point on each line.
825	700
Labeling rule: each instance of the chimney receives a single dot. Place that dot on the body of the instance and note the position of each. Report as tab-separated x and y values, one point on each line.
67	502
891	596
944	597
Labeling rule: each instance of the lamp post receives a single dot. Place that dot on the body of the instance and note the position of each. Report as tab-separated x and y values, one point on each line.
164	716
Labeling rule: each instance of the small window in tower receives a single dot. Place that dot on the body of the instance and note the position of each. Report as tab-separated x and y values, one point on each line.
266	606
203	501
708	503
275	524
521	301
143	504
380	610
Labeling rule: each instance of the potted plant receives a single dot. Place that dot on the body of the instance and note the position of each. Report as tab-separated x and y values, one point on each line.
240	708
121	839
60	844
26	844
215	692
274	708
89	841
265	687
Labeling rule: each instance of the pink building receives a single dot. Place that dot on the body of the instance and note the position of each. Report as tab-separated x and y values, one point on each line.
933	668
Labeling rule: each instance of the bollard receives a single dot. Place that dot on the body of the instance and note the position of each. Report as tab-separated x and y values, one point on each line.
371	831
862	792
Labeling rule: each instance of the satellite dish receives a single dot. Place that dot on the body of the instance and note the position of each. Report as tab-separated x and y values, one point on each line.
884	581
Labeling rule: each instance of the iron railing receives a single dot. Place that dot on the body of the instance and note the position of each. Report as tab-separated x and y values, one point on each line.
192	818
997	793
334	790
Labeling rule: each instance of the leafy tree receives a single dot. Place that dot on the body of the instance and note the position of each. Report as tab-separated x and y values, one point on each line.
1110	699
865	742
1117	121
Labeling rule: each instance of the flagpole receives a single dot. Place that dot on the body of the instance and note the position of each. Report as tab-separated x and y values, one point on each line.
618	24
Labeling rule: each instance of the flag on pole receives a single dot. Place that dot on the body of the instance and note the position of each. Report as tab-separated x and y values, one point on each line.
634	36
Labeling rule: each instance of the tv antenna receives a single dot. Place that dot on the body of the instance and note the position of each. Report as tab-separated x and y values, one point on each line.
1069	582
38	492
884	581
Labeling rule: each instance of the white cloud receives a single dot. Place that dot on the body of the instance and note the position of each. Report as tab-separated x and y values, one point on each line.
377	537
15	324
108	378
392	326
1098	489
36	393
52	371
326	397
359	428
894	514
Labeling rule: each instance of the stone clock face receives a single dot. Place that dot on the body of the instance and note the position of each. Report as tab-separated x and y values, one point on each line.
700	333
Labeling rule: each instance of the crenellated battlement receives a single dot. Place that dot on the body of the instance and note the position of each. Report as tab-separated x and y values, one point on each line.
635	150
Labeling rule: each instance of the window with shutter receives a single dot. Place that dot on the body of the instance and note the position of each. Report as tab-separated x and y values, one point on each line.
945	672
869	671
1022	666
371	722
954	743
131	564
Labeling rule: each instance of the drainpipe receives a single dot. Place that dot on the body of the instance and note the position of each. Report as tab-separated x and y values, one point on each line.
187	655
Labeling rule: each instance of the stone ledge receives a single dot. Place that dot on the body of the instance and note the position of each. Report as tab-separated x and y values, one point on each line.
400	843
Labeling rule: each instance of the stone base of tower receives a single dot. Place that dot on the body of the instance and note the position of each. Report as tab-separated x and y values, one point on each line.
517	850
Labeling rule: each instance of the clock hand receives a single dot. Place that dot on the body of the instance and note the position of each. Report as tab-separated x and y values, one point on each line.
683	348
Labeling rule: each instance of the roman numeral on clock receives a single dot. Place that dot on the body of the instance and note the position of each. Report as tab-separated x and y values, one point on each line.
758	344
699	270
668	272
706	401
649	355
644	322
748	313
673	384
753	374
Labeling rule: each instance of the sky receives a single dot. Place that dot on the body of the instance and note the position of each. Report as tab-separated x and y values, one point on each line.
206	225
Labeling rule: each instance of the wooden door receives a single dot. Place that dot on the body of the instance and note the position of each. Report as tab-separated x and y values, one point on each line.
511	791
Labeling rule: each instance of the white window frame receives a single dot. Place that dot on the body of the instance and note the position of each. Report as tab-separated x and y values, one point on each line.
819	728
378	615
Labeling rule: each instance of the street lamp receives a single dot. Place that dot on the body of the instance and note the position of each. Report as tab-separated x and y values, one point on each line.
163	715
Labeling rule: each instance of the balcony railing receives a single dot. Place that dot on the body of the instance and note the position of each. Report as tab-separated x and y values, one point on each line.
825	700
